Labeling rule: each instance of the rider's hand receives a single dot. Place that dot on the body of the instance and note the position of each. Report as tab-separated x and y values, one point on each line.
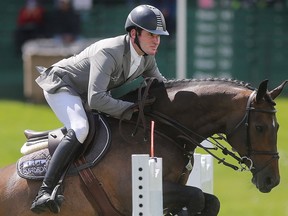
145	104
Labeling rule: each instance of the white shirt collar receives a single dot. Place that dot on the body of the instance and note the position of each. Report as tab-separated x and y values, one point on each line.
135	60
134	54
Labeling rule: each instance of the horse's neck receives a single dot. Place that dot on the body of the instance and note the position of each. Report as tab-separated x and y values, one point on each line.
205	114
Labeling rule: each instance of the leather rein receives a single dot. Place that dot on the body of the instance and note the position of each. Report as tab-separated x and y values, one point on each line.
188	135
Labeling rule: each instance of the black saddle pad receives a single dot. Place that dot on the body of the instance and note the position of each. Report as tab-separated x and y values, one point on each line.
34	165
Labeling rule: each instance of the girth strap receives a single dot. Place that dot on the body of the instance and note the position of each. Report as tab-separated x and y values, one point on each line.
96	191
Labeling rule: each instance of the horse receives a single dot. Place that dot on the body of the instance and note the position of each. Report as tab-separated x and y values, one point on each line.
185	113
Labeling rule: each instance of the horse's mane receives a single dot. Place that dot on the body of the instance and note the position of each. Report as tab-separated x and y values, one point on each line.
132	95
218	81
231	82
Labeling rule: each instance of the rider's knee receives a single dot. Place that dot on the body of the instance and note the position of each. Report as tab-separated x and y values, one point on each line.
81	131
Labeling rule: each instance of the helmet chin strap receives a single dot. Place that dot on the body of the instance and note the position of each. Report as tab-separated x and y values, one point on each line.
138	44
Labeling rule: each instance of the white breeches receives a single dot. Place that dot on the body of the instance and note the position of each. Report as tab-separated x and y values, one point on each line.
70	111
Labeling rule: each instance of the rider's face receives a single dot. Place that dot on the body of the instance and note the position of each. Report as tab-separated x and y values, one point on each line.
149	42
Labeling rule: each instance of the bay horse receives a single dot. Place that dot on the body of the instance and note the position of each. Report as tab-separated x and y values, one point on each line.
185	112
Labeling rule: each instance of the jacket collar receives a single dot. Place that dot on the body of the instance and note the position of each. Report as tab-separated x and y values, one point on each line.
126	56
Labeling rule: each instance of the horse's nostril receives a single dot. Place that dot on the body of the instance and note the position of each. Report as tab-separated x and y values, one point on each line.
268	181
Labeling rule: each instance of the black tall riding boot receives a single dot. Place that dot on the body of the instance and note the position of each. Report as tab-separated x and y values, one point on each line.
63	155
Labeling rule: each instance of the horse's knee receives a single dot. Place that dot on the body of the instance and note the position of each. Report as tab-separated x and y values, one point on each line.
212	205
178	196
196	202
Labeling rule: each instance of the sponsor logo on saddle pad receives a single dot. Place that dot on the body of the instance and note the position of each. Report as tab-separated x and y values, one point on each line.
36	167
33	166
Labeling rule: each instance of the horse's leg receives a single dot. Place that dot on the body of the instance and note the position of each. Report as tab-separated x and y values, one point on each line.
212	205
177	196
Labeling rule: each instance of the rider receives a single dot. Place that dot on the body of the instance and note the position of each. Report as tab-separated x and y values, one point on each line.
88	77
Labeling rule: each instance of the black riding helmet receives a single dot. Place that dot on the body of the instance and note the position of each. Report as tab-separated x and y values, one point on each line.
148	18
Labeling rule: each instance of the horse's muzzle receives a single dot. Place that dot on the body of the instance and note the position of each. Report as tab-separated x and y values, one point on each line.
265	183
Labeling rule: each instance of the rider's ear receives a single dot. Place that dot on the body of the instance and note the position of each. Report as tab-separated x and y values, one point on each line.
133	33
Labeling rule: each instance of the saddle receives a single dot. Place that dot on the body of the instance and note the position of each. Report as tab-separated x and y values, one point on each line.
40	146
34	164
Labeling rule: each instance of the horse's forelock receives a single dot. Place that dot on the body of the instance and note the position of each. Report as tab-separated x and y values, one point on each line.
269	99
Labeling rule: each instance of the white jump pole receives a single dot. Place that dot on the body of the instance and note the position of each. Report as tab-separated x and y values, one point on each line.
147	194
202	173
140	185
155	187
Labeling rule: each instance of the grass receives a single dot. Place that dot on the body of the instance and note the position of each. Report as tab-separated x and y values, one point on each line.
15	117
234	189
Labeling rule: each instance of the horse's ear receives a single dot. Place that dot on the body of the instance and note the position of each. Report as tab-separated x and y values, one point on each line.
262	90
275	92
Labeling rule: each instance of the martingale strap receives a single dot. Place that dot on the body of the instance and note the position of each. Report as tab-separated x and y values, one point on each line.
95	189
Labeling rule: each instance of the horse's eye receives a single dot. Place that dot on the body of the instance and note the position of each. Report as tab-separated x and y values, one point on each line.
259	128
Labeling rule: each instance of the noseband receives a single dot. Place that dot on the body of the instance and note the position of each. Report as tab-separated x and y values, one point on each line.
250	150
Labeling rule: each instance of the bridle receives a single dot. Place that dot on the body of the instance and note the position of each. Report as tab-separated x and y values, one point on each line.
245	120
187	135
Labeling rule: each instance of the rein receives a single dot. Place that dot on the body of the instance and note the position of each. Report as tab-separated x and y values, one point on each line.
139	106
187	134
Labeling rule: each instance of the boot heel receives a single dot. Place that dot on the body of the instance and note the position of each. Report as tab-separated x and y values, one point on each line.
53	206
